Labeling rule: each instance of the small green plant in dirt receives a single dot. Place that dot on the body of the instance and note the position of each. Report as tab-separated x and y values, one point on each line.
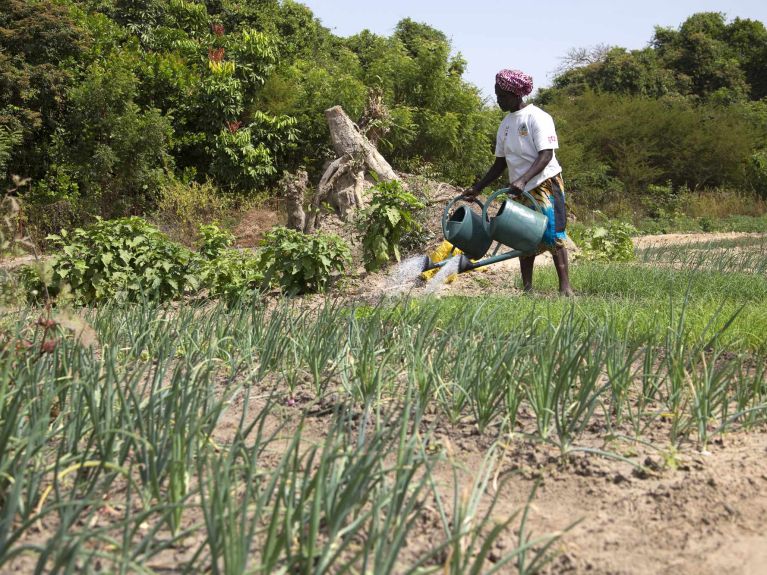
232	273
214	240
125	256
609	242
390	216
301	262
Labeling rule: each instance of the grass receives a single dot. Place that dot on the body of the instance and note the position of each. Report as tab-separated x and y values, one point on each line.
687	224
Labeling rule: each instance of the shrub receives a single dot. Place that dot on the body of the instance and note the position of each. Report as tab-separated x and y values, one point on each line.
390	216
214	240
719	203
757	173
226	272
301	262
610	242
663	202
232	273
126	257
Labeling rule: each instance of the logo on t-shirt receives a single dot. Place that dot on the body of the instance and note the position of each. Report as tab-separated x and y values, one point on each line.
523	130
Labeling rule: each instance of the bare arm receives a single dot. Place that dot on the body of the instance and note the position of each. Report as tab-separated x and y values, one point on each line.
492	174
543	159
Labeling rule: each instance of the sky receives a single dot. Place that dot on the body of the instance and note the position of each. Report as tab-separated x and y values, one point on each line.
530	36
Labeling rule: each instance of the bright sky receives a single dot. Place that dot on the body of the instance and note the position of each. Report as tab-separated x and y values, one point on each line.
533	36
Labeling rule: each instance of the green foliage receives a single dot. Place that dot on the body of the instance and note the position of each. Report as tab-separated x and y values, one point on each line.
221	99
224	272
103	101
610	242
677	111
255	54
130	259
706	58
240	164
383	224
644	141
435	114
231	273
126	257
9	138
756	173
41	48
664	202
114	150
214	240
301	262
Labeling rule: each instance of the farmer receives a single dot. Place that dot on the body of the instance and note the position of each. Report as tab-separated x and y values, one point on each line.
525	144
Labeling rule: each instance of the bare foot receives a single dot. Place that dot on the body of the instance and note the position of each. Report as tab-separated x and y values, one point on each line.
567	292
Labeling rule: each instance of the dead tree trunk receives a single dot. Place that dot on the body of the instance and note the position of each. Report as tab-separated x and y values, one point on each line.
293	188
342	183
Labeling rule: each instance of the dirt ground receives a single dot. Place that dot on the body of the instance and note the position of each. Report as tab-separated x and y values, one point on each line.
686	512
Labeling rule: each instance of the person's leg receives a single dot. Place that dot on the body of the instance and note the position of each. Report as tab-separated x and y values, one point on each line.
560	263
526	268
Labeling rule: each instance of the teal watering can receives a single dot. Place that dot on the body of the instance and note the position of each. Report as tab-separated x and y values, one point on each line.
514	225
466	229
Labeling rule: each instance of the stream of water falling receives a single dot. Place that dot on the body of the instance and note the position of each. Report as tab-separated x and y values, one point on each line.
403	275
450	268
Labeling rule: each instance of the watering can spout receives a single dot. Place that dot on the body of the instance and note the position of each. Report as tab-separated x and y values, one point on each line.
465	264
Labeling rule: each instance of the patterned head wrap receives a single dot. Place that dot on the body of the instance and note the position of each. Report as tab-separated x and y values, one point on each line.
514	81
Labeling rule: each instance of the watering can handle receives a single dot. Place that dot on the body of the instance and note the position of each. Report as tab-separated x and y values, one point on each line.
495	194
452	202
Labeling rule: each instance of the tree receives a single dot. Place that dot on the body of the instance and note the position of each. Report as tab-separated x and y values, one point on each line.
41	46
114	150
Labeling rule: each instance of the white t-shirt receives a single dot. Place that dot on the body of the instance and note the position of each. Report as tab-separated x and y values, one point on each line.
521	135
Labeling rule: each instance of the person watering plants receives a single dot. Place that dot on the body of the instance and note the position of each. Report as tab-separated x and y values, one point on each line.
525	145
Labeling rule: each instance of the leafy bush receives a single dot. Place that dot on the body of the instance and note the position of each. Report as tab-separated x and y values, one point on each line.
383	224
302	262
125	256
610	242
239	162
232	273
664	202
226	272
214	240
757	173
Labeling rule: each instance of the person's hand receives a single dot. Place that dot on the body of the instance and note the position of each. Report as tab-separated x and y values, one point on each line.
471	193
517	186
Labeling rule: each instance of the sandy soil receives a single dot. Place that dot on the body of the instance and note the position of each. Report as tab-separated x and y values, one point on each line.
687	512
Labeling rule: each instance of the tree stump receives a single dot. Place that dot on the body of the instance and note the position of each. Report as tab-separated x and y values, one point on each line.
293	188
342	184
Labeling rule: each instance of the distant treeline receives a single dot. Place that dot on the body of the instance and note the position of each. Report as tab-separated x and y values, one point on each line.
106	103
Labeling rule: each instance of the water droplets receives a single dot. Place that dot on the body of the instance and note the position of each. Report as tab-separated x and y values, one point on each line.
450	268
403	275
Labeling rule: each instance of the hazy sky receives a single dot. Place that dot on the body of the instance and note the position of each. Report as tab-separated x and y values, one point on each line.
531	36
